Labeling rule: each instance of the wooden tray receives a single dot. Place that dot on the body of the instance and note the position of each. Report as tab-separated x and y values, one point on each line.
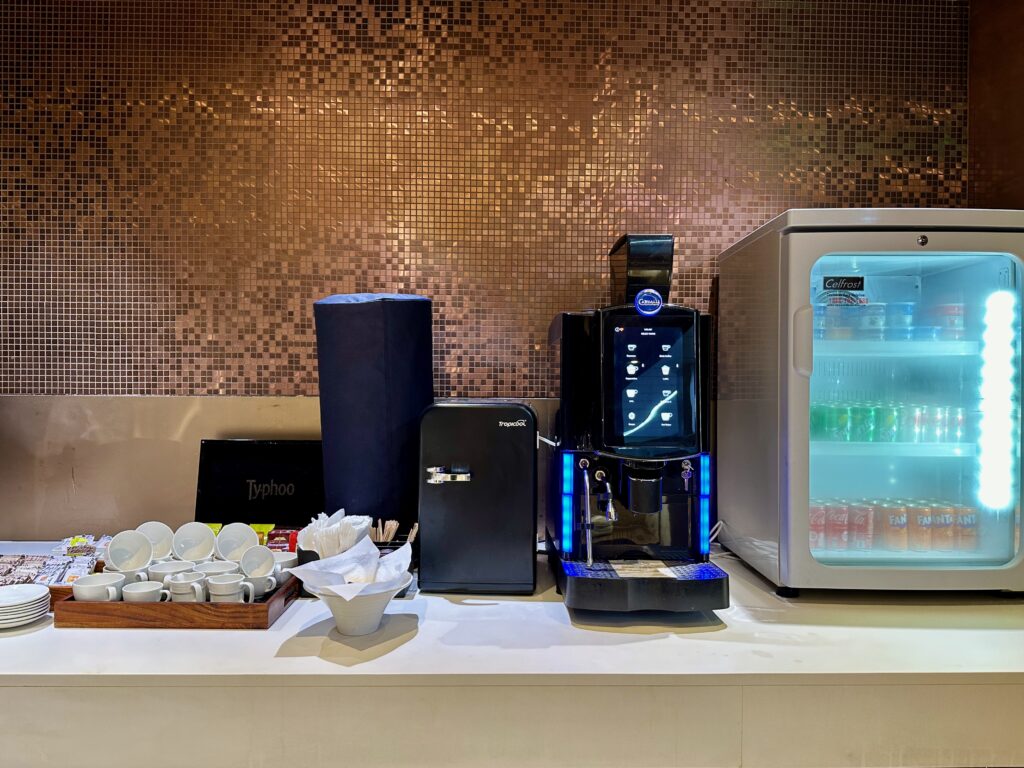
168	615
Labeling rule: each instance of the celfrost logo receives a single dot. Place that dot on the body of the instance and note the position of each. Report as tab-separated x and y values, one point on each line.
517	423
844	283
258	490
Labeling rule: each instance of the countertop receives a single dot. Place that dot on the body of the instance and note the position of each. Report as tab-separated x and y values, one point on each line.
820	637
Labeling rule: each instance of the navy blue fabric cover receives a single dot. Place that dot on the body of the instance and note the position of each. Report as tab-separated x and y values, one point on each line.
376	378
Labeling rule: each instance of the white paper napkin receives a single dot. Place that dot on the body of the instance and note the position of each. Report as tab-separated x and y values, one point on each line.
360	570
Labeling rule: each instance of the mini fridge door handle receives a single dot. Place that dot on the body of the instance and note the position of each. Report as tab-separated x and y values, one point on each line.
803	340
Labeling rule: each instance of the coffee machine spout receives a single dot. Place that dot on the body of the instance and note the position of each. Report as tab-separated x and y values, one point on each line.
643	486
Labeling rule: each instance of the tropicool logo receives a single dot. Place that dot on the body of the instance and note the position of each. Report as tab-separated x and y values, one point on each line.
648	302
516	423
258	490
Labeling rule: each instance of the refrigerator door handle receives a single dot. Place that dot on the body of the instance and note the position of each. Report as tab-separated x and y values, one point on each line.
803	340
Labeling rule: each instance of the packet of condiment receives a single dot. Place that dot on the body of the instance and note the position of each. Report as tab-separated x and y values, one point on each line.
283	539
262	530
215	527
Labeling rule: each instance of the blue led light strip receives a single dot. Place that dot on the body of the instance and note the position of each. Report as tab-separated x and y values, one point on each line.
705	504
567	487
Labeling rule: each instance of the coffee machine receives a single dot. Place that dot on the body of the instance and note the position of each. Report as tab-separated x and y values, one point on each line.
628	521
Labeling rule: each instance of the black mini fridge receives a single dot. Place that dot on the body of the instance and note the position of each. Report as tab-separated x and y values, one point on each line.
478	498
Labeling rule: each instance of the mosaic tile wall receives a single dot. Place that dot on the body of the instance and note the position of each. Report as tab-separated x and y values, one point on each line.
179	181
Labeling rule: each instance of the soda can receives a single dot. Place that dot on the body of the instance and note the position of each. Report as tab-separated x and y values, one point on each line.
933	428
837	517
862	423
861	527
966	536
911	423
895	517
956	425
887	423
919	527
818	514
944	528
818	417
837	423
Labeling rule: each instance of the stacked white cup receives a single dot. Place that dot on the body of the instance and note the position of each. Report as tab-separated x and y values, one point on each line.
190	565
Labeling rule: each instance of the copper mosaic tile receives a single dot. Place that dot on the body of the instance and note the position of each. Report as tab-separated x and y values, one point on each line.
180	181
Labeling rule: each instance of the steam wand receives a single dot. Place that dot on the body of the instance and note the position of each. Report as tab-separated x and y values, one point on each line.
588	523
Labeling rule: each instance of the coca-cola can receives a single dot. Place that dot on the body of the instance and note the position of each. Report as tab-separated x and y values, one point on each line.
837	531
861	527
816	524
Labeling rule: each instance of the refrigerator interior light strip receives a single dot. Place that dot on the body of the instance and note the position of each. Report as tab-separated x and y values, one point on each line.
997	450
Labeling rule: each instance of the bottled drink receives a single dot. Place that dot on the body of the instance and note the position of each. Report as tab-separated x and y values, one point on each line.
871	322
819	321
950	319
900	314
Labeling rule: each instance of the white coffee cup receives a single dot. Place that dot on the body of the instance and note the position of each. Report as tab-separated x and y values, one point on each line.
216	568
193	541
145	592
229	588
259	567
286	559
98	588
262	584
160	535
234	539
257	561
129	551
130	577
187	587
163	571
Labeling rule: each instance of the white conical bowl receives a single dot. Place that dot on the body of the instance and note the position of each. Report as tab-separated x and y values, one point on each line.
363	613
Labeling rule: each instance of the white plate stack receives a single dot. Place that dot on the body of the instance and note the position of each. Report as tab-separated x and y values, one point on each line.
22	604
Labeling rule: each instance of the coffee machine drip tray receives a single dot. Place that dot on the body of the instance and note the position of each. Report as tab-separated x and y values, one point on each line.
642	585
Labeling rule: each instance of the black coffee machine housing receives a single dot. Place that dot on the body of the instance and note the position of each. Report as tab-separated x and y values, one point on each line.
628	521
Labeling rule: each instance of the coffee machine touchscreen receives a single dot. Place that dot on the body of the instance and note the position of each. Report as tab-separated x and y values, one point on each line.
652	384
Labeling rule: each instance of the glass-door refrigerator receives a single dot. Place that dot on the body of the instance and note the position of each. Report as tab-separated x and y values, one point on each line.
868	413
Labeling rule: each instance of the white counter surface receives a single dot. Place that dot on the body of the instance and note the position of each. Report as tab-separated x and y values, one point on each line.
907	644
760	638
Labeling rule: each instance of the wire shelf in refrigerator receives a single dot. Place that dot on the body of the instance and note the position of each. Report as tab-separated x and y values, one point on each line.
923	450
824	348
909	558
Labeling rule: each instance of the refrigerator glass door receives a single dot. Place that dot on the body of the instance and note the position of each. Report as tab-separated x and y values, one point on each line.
914	419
